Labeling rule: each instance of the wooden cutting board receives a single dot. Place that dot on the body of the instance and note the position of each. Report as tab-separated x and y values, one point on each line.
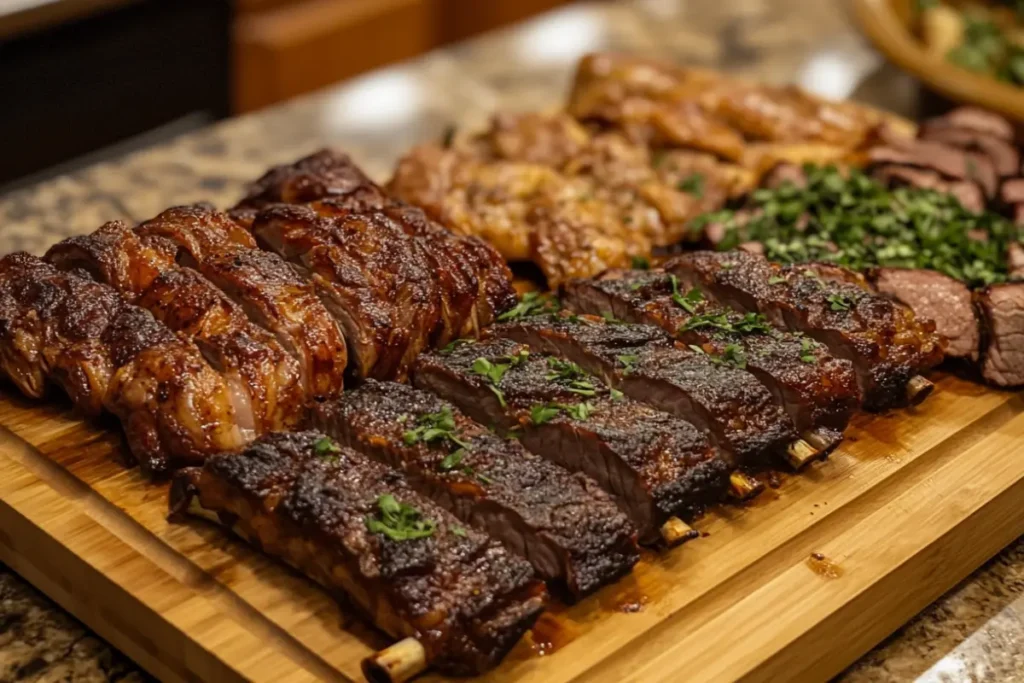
795	585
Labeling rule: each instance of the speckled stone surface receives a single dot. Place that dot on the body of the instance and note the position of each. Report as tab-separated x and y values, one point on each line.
974	633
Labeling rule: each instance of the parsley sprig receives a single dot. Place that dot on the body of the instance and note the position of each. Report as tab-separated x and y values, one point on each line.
494	371
576	379
690	300
732	355
398	521
531	304
545	412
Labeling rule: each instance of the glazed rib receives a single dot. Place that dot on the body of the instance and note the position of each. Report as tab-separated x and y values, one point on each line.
265	382
109	355
311	503
267	289
816	389
654	465
886	344
738	414
569	529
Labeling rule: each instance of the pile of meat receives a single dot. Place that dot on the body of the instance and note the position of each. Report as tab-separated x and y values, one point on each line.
641	149
976	156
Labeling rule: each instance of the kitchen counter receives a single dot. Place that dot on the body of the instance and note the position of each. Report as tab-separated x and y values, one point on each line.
974	633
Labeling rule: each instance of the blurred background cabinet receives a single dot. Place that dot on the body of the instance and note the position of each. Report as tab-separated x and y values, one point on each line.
86	79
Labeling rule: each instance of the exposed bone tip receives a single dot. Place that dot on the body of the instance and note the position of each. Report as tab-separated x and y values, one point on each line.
743	486
822	439
799	453
675	531
918	389
397	663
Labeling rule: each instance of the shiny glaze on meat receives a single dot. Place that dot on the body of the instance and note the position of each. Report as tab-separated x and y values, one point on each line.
883	340
107	354
568	528
654	464
822	392
463	596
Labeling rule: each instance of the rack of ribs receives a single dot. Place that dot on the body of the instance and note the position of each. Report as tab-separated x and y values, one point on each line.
570	530
888	347
266	288
458	600
264	380
818	391
109	355
657	467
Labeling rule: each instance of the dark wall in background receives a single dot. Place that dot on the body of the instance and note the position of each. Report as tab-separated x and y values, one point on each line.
72	89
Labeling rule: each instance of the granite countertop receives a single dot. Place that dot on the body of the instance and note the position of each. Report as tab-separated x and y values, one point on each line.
973	633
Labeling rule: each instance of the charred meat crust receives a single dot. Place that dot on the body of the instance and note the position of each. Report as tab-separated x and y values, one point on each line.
571	531
654	464
462	595
886	344
815	388
107	354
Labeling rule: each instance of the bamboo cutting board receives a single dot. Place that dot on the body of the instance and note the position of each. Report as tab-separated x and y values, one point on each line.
796	585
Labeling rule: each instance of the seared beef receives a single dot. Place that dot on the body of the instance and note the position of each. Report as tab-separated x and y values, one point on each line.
1001	152
355	526
887	346
785	173
267	289
655	465
970	194
816	389
739	415
1012	191
936	297
568	528
1002	315
974	119
950	162
1015	260
107	354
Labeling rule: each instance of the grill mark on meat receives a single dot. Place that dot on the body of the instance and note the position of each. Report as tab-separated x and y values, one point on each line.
370	275
265	380
1002	315
271	293
569	529
463	596
821	393
654	465
109	355
886	345
739	415
936	297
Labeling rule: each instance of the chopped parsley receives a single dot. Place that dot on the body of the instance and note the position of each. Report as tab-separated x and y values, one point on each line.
325	447
458	531
579	411
750	323
692	184
776	279
531	304
434	428
839	302
576	379
807	350
494	372
454	344
688	302
617	395
545	412
628	361
640	263
732	355
611	319
398	521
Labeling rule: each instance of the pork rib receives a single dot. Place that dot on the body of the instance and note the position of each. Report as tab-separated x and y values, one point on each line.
569	529
654	464
886	344
322	509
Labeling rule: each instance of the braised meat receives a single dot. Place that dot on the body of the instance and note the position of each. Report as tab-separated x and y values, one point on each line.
265	381
563	523
887	346
355	526
817	391
936	297
655	465
372	277
739	415
107	354
1002	316
266	288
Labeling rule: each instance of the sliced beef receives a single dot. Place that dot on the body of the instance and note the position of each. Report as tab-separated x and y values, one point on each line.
571	531
356	527
970	194
888	347
1015	259
1001	152
949	161
818	391
973	119
655	465
1012	191
936	297
1002	315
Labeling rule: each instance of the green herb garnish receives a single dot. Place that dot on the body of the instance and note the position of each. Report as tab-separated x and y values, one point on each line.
531	304
458	531
579	411
609	318
640	263
688	302
776	279
839	302
616	395
576	379
544	412
692	184
628	361
398	521
807	351
454	344
325	446
433	428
